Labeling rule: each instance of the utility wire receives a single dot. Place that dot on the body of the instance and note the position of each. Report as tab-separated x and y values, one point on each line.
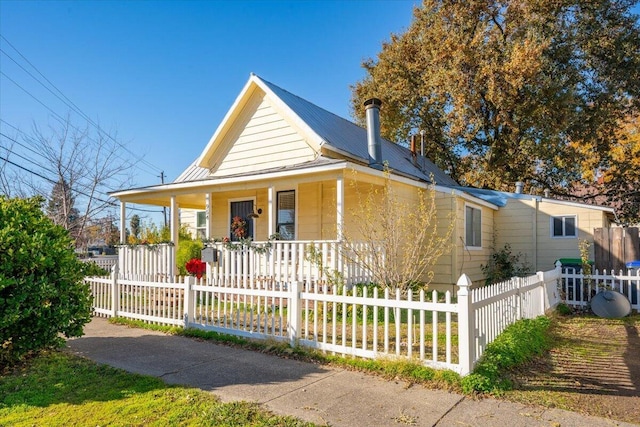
58	116
68	102
77	191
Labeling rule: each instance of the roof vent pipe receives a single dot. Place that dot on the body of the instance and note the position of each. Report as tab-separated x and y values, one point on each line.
372	108
519	187
414	153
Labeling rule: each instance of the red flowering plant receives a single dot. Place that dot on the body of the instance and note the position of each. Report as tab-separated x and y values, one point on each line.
239	227
196	267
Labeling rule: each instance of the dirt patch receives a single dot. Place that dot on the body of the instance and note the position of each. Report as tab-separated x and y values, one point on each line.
593	368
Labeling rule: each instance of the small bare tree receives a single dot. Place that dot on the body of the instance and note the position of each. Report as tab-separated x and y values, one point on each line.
76	169
397	240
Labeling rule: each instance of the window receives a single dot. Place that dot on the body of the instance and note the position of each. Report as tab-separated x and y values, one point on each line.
563	226
286	215
473	227
201	224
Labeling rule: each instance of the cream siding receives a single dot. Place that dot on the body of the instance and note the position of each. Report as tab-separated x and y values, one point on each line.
309	214
516	225
188	219
527	229
470	260
262	139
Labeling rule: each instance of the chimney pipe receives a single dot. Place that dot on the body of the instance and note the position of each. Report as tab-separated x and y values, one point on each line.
519	187
414	153
372	108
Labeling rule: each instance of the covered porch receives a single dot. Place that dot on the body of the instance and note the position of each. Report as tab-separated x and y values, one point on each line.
294	221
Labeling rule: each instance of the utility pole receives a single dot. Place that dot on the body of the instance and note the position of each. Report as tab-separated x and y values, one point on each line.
164	208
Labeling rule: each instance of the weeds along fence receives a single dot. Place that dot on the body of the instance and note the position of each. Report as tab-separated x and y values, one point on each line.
435	328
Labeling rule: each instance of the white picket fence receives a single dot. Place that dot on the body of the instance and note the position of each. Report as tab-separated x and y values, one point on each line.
285	262
578	290
154	260
349	320
105	261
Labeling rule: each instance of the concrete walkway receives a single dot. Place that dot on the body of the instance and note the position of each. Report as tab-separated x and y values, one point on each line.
320	394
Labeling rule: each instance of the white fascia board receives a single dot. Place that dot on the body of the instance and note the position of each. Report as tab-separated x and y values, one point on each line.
343	152
577	205
195	185
224	121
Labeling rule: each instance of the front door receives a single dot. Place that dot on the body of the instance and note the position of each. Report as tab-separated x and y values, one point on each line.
242	210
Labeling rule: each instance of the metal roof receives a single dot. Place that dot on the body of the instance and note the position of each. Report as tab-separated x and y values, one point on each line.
500	198
340	135
348	137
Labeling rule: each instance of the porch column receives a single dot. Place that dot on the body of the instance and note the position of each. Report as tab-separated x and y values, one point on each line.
339	207
209	212
123	222
175	227
271	211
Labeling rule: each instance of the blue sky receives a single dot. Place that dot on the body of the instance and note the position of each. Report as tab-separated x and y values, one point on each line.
163	74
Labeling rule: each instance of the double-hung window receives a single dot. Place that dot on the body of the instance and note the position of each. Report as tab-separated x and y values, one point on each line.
201	224
473	227
564	226
286	215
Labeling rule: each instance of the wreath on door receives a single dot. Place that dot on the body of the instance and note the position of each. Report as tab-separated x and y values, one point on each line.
239	227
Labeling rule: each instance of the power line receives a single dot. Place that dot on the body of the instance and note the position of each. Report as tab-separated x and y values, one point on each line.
68	102
58	116
113	204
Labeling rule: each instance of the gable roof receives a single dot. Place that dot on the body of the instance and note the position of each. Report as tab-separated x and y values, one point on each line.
323	129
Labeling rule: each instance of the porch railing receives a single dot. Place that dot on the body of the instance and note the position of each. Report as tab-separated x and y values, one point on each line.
282	262
151	260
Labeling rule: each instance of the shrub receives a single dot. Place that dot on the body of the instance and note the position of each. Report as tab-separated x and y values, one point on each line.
187	250
42	294
503	265
90	269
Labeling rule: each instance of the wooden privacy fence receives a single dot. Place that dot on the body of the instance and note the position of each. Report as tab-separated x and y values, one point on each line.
614	247
437	329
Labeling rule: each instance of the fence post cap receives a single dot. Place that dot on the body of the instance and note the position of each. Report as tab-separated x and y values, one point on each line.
464	281
558	263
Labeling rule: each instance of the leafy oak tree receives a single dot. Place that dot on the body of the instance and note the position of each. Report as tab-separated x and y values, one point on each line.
510	90
613	177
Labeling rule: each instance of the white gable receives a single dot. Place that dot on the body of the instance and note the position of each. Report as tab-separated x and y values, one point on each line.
260	138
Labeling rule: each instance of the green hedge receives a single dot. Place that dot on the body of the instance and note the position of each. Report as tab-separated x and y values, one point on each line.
42	294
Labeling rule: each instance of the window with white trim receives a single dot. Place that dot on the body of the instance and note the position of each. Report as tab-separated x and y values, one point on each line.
564	226
473	227
286	215
201	224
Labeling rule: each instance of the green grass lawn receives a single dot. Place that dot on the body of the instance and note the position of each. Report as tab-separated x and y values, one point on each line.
58	389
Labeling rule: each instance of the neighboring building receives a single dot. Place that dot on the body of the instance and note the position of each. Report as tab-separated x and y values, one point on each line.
287	166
